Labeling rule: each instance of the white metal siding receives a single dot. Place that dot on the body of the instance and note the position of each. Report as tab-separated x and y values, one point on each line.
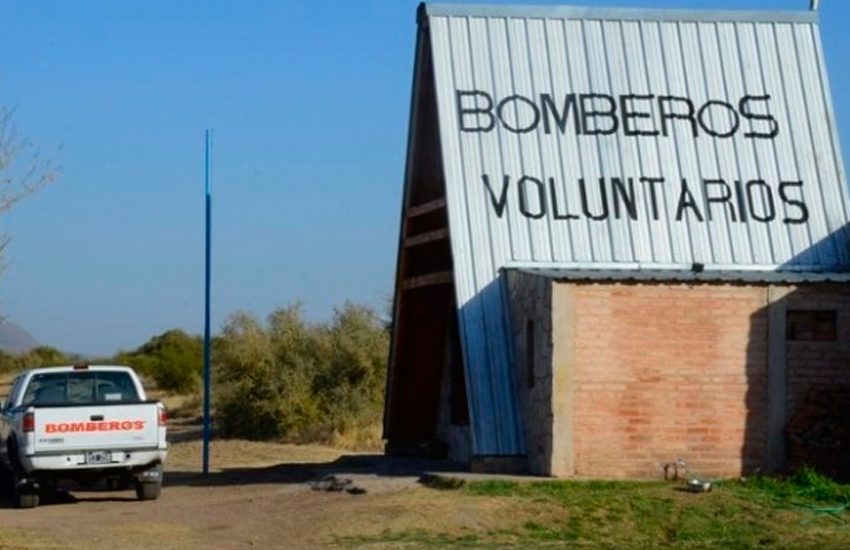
701	57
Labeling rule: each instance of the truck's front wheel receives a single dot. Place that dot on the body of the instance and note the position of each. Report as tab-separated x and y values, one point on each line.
148	490
5	480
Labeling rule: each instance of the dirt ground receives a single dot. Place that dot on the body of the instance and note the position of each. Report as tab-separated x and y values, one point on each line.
256	495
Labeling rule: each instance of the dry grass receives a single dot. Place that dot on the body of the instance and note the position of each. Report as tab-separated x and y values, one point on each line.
231	453
16	537
5	384
361	438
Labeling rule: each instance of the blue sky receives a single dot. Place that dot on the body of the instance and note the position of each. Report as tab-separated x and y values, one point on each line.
309	105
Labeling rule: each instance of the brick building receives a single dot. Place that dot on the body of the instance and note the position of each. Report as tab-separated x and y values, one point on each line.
624	241
624	377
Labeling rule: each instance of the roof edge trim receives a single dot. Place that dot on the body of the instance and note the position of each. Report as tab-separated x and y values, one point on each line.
707	267
682	275
614	14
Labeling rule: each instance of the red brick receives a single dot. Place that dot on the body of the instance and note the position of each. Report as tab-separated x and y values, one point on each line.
673	353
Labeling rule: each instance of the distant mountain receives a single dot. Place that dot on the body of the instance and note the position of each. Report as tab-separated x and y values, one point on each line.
14	339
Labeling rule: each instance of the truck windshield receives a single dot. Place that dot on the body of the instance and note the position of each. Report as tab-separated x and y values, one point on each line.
77	388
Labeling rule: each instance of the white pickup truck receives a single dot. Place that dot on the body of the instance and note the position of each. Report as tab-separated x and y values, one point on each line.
85	424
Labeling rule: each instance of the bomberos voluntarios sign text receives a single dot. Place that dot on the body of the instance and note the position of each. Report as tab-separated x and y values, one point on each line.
629	196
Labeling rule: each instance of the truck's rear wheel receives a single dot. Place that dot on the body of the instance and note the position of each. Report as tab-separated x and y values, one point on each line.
26	500
149	490
25	493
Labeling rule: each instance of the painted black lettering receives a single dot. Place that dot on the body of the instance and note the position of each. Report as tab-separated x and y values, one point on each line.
667	107
724	197
556	211
742	201
686	200
798	203
653	197
629	112
712	125
561	118
498	204
475	111
590	110
619	193
604	114
603	195
522	190
764	117
768	206
517	101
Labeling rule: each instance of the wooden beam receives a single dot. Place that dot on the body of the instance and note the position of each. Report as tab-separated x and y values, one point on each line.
431	236
426	207
431	279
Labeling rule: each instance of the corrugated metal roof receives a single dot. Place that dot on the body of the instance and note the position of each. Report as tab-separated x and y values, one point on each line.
620	137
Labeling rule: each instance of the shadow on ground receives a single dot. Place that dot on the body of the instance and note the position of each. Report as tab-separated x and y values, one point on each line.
65	496
329	476
292	473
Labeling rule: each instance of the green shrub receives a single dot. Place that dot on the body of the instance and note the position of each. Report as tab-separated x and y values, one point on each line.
42	356
173	360
299	381
9	362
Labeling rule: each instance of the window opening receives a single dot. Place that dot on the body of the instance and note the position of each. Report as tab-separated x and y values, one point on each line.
811	326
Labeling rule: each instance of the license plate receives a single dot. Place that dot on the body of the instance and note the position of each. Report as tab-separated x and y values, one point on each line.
98	457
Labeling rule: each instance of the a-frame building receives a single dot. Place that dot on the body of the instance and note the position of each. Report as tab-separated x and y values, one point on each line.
569	172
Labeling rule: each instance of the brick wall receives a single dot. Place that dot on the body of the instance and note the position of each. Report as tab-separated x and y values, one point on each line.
667	371
818	364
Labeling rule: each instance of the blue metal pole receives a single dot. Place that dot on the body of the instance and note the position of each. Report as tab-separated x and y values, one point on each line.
207	434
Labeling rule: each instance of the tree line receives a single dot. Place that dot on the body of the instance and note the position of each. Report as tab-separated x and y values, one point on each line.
282	378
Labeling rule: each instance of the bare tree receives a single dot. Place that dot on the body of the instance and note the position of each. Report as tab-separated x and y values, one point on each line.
23	170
